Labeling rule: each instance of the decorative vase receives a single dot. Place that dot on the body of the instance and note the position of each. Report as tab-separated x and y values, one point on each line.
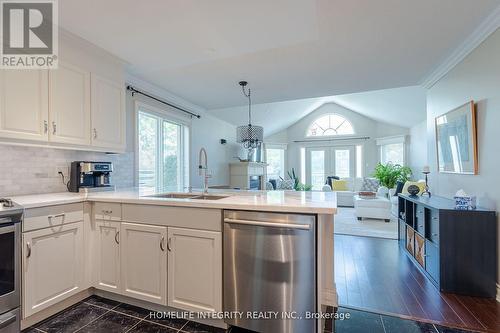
413	190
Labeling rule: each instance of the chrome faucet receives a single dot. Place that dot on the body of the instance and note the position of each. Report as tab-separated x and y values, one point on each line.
203	168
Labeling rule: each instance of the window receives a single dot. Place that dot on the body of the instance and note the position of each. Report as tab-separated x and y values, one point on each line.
342	163
359	161
161	150
275	163
392	149
392	153
317	169
329	125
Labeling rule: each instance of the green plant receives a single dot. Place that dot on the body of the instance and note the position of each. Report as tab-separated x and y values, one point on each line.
388	174
303	187
298	186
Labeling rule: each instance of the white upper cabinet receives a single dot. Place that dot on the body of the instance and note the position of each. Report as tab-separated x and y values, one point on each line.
24	104
108	114
69	105
194	270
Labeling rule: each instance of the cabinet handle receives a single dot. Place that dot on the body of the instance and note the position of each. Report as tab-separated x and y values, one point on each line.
162	244
57	215
169	246
45	127
434	234
117	240
28	250
54	127
95	133
107	212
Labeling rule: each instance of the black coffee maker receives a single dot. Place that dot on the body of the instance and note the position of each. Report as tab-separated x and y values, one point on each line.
90	176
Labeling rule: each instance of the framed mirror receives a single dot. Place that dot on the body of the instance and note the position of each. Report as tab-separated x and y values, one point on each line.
456	138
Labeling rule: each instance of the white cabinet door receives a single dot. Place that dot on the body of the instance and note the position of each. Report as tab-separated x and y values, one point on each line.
194	269
108	114
52	266
107	255
69	101
144	262
24	104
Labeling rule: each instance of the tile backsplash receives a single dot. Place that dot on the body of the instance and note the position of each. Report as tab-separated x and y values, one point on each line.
32	170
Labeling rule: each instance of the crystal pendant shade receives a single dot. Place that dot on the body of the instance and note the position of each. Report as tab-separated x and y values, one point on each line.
249	136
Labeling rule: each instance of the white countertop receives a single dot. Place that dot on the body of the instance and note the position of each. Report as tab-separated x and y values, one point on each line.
277	201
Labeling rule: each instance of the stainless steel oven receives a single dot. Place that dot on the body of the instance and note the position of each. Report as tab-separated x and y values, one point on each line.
10	245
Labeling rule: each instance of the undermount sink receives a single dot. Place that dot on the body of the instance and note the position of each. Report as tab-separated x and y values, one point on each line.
174	195
188	196
209	197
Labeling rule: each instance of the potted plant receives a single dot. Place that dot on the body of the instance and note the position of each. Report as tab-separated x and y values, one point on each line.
298	186
389	174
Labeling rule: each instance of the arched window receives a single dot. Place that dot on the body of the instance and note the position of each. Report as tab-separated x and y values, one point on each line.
330	124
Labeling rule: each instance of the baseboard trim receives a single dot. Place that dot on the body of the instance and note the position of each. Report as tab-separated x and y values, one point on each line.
52	310
58	307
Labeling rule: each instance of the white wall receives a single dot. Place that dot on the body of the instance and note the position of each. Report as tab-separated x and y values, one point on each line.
476	78
363	126
418	149
207	132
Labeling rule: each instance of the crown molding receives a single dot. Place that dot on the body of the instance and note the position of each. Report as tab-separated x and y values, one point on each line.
479	35
69	37
162	93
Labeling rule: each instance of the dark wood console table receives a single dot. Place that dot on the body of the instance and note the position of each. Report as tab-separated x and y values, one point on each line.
455	249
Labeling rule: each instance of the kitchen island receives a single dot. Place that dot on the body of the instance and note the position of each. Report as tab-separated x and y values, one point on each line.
163	253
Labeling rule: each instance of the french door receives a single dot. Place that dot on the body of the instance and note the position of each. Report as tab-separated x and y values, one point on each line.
322	162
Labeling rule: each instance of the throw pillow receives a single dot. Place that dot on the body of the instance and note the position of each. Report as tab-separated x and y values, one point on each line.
370	185
330	179
339	185
399	188
421	186
285	184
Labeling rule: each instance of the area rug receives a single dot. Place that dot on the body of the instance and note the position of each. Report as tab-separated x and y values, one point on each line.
346	223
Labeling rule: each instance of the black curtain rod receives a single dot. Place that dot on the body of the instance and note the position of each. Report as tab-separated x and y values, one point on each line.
336	139
135	91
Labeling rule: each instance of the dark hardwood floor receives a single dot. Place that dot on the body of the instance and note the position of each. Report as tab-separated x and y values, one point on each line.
372	274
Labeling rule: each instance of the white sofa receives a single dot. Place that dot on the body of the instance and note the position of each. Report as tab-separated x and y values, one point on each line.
376	208
394	202
346	198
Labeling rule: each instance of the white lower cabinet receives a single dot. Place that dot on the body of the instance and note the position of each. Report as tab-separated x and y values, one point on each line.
194	269
53	266
144	262
107	255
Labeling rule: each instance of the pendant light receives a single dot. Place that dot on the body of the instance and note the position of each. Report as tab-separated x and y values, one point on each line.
249	136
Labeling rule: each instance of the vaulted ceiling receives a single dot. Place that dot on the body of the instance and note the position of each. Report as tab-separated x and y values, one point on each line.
399	106
286	49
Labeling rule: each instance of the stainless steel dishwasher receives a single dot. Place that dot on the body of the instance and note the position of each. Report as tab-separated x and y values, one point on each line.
270	267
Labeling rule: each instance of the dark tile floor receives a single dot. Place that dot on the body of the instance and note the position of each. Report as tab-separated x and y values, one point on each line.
96	314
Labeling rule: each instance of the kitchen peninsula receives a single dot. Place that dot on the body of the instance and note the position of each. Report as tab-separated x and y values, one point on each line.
176	252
